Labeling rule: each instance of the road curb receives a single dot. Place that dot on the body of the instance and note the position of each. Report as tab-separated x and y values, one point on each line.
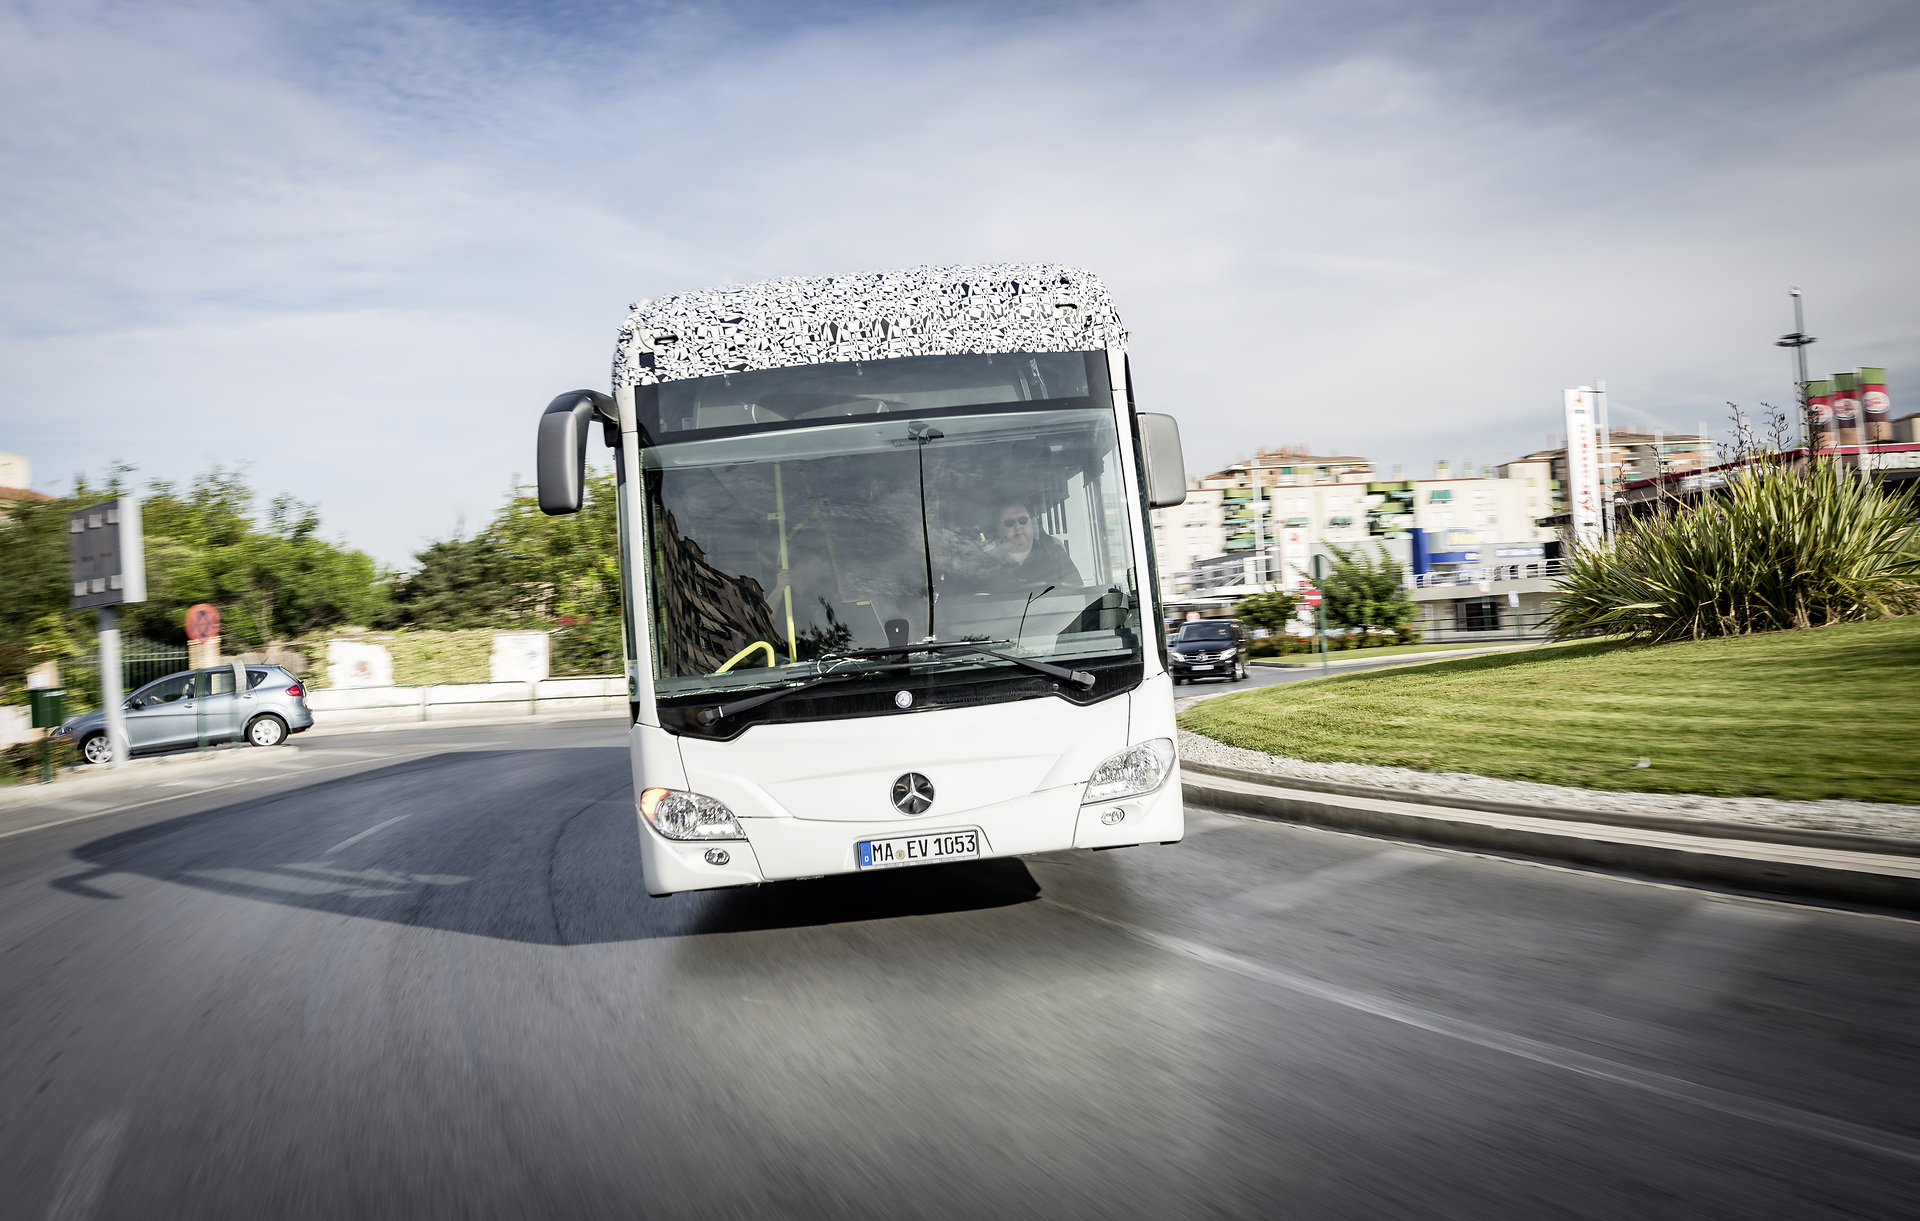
1850	875
1803	837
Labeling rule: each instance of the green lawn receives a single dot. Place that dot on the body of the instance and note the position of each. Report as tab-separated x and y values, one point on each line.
1385	651
1831	712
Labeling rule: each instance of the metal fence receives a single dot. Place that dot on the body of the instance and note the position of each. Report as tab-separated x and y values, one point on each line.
1486	624
141	661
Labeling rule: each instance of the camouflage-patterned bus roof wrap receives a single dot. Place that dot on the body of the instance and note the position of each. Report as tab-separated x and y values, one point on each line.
918	311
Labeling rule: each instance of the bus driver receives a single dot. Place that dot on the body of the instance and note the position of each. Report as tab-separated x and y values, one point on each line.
1033	558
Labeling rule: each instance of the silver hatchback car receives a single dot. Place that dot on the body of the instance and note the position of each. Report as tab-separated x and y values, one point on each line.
180	709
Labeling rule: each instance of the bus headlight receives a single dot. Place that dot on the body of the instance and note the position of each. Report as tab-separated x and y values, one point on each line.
681	815
1135	770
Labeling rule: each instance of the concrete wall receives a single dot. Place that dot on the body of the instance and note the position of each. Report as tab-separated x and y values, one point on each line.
16	726
449	701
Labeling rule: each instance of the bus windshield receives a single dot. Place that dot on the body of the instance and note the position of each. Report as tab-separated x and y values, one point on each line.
775	554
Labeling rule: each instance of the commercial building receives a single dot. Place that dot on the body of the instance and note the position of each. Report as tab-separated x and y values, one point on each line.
1629	457
1258	524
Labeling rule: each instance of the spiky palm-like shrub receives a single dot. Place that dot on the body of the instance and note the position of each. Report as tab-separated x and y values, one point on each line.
1780	548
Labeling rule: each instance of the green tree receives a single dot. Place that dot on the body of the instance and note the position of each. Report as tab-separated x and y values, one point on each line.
1366	592
530	570
272	579
460	583
1273	610
572	564
33	585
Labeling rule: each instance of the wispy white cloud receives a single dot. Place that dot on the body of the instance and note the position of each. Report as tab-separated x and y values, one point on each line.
361	246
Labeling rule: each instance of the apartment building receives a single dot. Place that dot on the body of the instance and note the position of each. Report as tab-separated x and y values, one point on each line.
1259	523
1630	457
1248	525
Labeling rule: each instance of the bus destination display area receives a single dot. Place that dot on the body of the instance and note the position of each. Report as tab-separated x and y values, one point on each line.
795	553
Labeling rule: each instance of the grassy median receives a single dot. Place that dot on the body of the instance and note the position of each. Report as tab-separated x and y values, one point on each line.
1828	712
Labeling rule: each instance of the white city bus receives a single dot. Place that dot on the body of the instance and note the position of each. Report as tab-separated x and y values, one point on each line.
888	577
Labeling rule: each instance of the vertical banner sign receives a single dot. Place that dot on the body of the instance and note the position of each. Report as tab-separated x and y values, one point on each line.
1846	409
1820	406
1583	466
1875	407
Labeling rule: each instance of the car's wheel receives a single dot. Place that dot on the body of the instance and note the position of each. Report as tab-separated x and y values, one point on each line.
96	749
266	730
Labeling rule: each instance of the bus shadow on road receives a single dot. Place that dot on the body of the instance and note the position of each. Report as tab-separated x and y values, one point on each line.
533	846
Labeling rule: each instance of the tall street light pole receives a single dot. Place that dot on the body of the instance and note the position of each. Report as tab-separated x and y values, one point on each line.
1798	341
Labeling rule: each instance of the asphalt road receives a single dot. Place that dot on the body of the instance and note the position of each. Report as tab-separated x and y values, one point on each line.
414	975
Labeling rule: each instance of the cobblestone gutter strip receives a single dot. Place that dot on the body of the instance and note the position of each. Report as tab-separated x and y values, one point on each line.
1857	818
1877	879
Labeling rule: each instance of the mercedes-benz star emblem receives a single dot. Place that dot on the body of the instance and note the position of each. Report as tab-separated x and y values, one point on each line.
912	794
903	699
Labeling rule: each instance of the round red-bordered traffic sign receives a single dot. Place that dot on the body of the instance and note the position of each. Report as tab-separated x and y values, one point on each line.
1311	598
203	621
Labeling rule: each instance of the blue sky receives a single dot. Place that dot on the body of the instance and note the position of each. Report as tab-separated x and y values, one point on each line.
358	245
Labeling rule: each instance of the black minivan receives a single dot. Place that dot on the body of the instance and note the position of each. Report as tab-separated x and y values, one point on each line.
1210	648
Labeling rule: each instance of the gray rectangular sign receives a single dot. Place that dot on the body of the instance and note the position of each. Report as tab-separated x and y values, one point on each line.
106	555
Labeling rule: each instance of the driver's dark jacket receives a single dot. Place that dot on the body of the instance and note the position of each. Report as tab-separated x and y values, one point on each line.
1047	564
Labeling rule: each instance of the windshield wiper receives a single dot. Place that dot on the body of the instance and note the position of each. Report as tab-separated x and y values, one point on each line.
707	716
925	646
1079	677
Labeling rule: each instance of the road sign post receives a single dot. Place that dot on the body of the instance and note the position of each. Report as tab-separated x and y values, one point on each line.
107	568
1319	612
203	626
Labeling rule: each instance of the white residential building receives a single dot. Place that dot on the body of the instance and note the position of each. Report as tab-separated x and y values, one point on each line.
1258	524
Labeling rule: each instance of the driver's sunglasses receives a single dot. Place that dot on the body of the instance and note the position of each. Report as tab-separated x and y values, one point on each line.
1008	523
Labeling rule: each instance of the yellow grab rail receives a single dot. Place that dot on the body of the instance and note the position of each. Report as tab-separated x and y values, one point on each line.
758	644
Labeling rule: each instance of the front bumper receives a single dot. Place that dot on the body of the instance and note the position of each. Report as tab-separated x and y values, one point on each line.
1182	667
777	849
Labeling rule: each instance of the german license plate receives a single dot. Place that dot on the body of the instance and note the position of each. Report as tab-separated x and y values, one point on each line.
1205	667
919	849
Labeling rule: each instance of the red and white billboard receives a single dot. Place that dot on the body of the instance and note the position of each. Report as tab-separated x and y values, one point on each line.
1820	413
1875	407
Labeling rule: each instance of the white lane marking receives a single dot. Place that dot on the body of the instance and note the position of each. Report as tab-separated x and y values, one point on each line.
61	822
354	839
89	1164
1706	1097
1373	867
357	883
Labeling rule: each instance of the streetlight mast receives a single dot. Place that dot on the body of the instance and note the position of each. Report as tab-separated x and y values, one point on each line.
1798	341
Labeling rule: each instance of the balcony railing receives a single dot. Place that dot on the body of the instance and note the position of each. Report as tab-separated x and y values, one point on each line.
1529	571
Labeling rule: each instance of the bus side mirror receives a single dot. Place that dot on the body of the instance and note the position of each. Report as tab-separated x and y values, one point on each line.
562	458
1166	471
